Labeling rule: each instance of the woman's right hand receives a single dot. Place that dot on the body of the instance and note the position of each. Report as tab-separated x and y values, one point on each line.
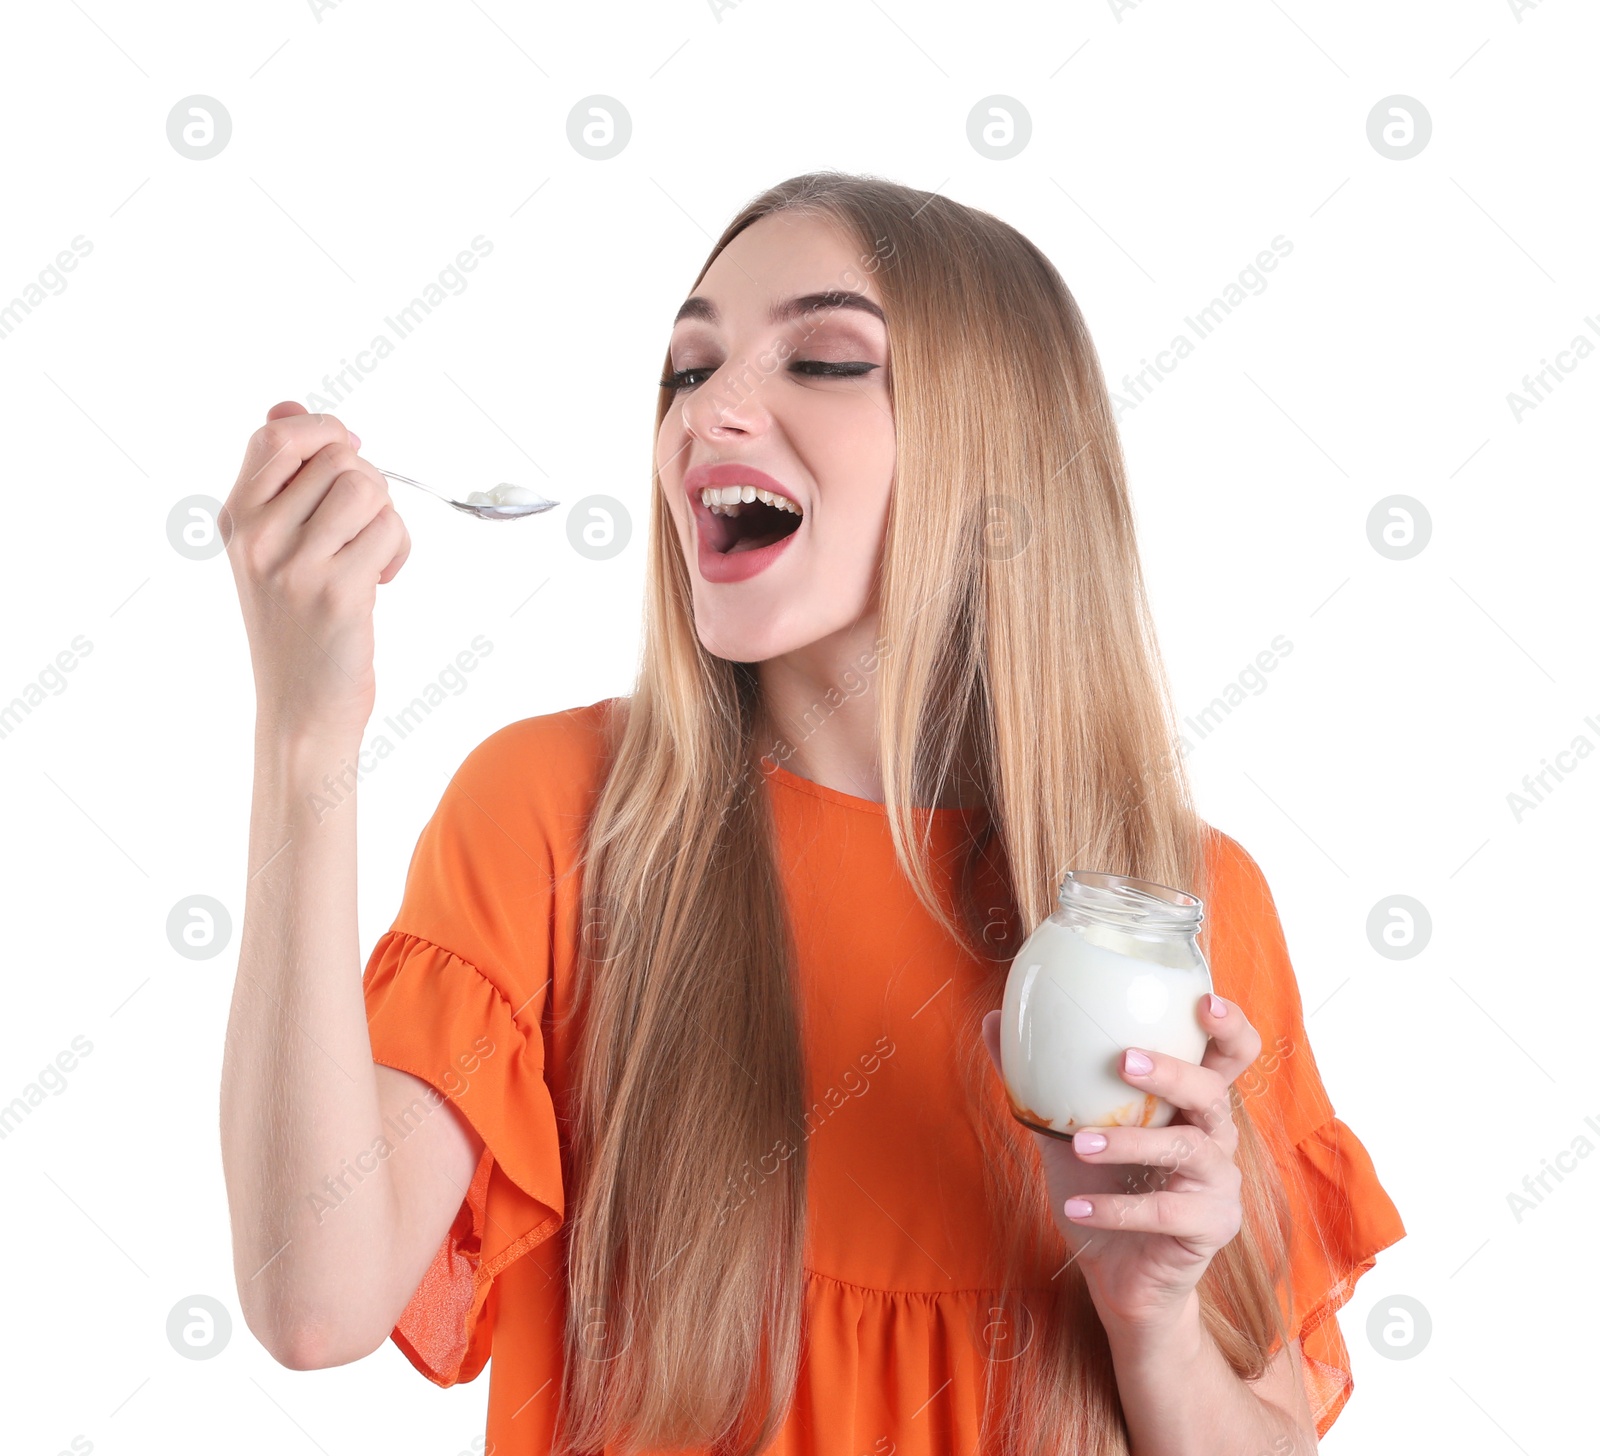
311	534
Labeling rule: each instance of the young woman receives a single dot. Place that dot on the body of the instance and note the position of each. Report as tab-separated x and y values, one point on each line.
707	976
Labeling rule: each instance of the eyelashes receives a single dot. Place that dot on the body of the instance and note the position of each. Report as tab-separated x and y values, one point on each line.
682	378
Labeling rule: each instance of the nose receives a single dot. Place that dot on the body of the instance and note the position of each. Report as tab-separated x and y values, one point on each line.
727	405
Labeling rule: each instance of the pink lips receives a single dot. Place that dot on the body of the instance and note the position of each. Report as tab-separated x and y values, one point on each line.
714	565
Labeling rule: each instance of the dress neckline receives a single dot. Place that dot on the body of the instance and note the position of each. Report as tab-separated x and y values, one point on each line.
791	780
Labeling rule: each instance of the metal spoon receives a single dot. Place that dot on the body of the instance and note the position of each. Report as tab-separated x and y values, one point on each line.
483	512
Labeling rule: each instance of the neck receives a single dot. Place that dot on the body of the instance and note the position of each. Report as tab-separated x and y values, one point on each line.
817	716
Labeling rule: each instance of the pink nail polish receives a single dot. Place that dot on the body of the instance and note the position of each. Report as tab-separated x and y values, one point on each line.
1216	1005
1089	1142
355	439
1078	1207
1136	1063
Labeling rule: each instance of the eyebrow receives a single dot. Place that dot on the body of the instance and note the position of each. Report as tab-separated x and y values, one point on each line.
789	308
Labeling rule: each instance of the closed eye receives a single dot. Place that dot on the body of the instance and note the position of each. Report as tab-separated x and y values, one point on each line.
684	378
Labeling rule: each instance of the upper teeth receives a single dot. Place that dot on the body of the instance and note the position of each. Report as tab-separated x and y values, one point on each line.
726	500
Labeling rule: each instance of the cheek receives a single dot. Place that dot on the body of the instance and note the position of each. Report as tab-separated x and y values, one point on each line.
677	509
850	441
669	442
861	461
669	469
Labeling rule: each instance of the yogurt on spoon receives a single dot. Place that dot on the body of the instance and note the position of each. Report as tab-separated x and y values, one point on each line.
505	494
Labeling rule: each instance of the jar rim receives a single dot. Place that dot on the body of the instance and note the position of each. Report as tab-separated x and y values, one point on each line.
1127	900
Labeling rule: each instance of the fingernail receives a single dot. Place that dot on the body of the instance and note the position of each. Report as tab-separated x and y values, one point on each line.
1078	1207
1136	1063
1089	1142
355	439
1216	1005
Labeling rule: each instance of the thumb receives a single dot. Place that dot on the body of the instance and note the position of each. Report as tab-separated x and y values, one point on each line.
991	1036
286	408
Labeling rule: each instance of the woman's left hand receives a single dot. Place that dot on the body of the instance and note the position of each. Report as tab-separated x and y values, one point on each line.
1161	1200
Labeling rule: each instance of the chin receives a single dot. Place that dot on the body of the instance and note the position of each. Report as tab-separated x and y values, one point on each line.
736	644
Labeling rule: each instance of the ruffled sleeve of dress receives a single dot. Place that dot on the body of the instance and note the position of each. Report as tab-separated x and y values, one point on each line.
458	992
1341	1216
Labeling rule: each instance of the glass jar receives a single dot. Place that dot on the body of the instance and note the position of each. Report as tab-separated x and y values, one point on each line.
1117	965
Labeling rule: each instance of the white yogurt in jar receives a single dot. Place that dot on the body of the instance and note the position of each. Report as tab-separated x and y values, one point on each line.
1077	996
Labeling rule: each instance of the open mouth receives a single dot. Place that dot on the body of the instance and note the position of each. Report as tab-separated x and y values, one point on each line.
733	524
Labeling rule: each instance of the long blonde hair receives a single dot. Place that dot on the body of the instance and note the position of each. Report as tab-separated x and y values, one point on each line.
1013	620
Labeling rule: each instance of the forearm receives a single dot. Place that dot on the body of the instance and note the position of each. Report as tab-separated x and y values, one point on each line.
1180	1397
299	1091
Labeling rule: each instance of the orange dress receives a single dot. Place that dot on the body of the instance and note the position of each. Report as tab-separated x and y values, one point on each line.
459	991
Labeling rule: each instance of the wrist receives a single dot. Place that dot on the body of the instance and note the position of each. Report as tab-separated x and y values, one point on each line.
1174	1335
292	740
302	763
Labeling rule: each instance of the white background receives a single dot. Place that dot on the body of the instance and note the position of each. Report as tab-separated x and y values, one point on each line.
1169	146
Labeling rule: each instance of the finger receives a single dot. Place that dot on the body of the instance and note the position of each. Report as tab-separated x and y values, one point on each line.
1204	1224
379	541
1197	1090
401	551
301	501
277	451
1235	1043
400	557
1179	1148
294	407
352	502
